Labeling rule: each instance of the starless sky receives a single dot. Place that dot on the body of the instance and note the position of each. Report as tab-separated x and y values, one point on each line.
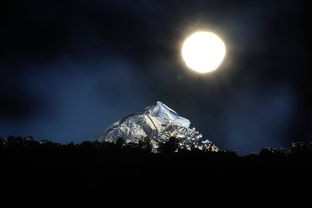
68	69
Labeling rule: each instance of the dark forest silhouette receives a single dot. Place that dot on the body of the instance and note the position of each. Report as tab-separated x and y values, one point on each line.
91	168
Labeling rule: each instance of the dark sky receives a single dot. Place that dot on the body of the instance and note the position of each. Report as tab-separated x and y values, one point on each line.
68	69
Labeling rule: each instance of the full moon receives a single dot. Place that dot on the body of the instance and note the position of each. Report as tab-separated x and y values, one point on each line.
203	52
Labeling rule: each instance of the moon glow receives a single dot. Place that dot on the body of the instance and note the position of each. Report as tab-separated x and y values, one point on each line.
203	51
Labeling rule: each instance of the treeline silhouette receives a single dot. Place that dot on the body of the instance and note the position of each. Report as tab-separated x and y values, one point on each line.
92	167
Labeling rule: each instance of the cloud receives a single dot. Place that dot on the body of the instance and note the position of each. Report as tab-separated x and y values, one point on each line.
79	100
256	119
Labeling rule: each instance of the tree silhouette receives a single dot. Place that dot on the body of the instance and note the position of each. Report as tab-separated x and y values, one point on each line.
169	147
90	167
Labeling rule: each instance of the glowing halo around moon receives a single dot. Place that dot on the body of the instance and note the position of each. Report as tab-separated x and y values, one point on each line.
203	51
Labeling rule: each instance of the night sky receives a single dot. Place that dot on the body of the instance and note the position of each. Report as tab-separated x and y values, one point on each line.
68	69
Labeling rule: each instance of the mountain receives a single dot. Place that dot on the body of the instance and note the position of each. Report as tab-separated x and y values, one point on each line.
156	124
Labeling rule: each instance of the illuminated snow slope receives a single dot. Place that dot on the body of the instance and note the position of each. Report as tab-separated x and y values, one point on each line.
157	124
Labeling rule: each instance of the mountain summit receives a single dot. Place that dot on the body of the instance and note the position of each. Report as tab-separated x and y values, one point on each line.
157	123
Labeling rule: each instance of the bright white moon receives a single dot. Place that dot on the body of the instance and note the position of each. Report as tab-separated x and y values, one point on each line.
203	51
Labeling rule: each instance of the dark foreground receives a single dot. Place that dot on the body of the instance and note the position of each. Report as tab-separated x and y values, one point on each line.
92	169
